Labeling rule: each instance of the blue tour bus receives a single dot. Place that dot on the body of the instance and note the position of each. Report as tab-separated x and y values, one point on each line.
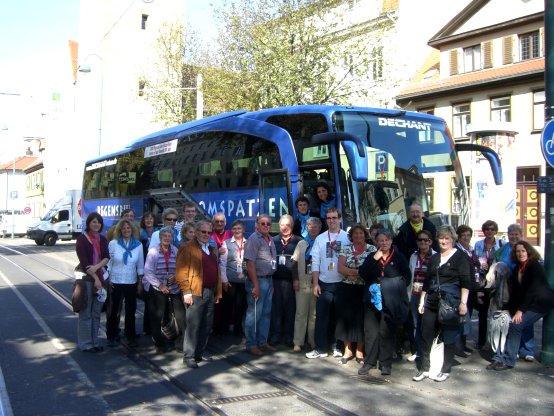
376	161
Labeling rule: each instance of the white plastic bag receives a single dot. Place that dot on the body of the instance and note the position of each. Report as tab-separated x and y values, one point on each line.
436	357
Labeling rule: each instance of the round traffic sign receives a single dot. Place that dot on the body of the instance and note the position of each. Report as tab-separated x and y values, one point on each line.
547	142
27	210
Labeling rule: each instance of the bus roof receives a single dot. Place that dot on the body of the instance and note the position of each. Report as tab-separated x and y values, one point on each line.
175	131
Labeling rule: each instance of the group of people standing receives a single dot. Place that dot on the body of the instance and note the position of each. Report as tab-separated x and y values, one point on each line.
312	283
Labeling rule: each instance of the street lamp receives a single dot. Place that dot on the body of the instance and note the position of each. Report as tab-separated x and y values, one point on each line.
87	69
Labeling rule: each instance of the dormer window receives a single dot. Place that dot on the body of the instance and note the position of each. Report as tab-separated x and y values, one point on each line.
472	58
529	46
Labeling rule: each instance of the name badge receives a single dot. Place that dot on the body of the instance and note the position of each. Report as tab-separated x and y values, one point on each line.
273	264
239	267
418	287
331	266
282	260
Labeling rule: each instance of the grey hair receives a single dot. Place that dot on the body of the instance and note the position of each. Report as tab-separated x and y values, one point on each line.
314	220
383	231
169	211
287	217
515	228
167	230
200	223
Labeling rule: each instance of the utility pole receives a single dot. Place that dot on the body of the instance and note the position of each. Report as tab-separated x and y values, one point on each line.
547	354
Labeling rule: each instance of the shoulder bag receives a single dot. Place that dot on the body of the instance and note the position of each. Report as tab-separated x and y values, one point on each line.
447	315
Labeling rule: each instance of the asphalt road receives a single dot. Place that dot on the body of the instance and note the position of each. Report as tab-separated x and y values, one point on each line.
42	373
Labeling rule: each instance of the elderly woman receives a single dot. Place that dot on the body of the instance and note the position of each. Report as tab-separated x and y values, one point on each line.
451	269
92	251
159	282
233	270
304	319
126	268
350	295
530	299
388	269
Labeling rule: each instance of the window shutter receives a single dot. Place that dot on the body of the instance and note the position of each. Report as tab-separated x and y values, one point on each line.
487	54
507	49
453	62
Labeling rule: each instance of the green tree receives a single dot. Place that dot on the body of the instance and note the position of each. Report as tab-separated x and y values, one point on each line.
287	52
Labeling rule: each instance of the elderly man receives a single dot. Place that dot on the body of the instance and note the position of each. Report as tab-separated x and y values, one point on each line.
199	279
220	234
284	303
405	240
261	262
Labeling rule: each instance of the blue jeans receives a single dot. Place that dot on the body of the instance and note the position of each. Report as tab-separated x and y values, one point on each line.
258	313
511	349
416	322
527	344
322	314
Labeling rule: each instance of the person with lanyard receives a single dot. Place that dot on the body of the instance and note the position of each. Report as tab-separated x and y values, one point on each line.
325	199
169	218
261	262
326	279
304	320
233	271
126	267
485	250
148	225
379	327
284	303
92	252
531	298
220	234
163	291
350	296
405	240
199	278
418	263
303	213
464	234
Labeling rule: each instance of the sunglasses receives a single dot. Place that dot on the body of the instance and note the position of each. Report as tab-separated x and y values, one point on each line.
266	224
171	219
204	232
424	239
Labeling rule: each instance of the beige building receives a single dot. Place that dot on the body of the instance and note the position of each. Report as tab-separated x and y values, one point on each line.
485	77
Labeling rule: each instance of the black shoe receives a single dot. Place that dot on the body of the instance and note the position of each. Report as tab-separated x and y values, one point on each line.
359	360
386	370
461	354
364	369
345	360
205	358
98	349
492	365
91	349
161	349
190	362
502	367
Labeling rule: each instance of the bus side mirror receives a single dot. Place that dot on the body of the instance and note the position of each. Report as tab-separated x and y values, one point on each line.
489	154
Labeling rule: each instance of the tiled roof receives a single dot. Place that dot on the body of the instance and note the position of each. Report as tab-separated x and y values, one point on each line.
419	87
21	163
390	5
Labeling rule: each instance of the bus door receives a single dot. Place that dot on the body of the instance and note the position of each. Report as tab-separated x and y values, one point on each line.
275	195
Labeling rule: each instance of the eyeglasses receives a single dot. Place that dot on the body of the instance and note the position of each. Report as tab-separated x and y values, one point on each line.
489	229
426	240
171	219
218	221
204	232
266	224
332	218
286	225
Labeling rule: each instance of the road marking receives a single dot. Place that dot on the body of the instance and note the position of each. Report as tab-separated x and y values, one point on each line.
57	343
5	405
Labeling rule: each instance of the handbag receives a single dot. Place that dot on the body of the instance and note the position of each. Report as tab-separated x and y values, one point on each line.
447	315
79	296
171	330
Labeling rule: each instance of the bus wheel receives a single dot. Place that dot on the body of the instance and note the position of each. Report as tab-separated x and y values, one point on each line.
39	242
50	239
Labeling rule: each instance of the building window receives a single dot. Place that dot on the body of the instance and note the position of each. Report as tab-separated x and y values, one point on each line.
143	21
461	117
377	63
538	110
529	46
430	192
472	58
500	109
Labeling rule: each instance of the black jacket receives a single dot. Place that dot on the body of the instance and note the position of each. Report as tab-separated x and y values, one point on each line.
405	240
533	293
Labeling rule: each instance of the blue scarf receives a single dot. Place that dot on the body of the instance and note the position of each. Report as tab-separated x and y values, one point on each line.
303	219
128	249
325	206
310	246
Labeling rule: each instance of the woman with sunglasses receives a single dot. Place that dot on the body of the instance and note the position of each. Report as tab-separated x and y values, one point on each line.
485	251
418	266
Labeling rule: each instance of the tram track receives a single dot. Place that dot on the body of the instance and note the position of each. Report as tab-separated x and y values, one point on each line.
210	405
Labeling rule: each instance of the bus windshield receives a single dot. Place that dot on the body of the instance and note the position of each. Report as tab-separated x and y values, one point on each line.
408	157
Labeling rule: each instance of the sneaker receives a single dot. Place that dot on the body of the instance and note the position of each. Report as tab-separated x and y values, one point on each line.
421	375
412	358
529	358
440	377
316	354
337	353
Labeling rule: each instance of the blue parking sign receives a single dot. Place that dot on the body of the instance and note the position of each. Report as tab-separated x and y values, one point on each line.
547	142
